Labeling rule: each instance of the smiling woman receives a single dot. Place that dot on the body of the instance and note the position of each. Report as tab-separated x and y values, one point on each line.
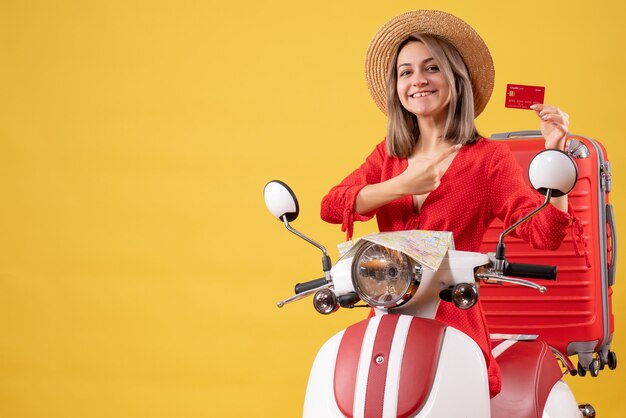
436	65
421	87
432	74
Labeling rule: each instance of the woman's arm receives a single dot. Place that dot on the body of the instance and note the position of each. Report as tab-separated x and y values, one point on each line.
338	204
421	176
511	199
554	126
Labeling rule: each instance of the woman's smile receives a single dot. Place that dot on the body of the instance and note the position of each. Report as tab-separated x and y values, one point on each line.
422	94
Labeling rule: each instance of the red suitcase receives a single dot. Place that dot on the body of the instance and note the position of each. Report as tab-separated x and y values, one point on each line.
575	314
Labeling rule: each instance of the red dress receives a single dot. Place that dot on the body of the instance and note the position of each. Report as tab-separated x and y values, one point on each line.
483	182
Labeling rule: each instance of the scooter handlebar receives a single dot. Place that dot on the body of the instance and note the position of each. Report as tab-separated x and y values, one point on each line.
530	271
313	284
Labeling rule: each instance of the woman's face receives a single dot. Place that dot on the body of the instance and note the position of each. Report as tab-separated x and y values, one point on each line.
422	88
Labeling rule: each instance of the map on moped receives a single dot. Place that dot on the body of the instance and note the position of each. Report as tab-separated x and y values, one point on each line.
426	247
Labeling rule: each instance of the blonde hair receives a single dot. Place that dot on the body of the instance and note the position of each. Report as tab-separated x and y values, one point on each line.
402	128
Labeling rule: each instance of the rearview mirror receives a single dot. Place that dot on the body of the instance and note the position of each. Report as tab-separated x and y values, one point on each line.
554	170
281	201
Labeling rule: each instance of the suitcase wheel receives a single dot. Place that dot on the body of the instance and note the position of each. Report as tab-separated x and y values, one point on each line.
603	362
607	359
594	367
612	360
581	371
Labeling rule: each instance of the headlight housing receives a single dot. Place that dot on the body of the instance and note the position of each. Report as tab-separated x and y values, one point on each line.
384	277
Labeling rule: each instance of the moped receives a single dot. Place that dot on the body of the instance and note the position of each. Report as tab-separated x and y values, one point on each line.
401	362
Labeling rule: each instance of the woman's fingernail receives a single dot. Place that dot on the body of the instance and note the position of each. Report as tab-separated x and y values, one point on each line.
533	106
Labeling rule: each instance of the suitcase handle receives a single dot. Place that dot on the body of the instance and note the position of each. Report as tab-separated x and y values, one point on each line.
516	134
610	220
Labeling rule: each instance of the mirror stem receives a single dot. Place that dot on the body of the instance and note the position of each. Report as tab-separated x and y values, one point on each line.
500	259
326	263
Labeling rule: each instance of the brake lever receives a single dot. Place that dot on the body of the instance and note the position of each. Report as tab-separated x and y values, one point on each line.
499	279
302	295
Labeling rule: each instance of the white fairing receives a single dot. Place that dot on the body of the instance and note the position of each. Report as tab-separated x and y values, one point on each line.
320	398
457	267
460	385
561	403
341	273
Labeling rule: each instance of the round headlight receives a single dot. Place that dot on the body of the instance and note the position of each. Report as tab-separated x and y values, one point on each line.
382	276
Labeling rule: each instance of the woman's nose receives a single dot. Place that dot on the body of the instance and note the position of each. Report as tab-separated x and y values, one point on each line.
419	79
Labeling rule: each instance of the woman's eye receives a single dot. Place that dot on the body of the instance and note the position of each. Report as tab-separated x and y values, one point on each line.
405	73
432	68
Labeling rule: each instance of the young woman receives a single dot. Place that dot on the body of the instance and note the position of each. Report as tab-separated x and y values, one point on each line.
432	74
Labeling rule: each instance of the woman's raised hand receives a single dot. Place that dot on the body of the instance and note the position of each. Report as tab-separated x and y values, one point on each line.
554	125
423	174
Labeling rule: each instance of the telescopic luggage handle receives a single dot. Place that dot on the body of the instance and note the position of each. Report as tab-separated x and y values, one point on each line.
516	134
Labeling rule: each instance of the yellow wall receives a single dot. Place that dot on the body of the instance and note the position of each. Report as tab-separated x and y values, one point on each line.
138	265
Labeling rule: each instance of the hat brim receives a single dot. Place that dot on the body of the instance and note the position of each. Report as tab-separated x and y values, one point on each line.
462	36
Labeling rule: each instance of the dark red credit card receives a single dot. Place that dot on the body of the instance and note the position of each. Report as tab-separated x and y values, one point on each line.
522	97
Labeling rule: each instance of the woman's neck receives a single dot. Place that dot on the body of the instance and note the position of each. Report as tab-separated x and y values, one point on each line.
431	135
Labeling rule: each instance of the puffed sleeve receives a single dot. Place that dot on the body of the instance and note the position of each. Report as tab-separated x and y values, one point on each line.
511	198
338	204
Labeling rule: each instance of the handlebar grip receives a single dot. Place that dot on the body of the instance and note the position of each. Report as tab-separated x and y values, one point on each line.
530	271
303	287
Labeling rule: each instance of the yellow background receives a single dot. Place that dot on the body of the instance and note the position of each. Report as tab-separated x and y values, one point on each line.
138	265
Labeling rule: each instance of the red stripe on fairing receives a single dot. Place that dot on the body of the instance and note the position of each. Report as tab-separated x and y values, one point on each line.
419	364
347	366
375	393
